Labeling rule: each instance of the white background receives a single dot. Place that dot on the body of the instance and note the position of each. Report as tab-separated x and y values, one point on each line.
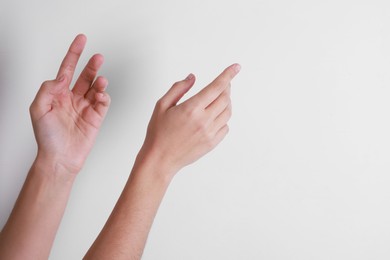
304	171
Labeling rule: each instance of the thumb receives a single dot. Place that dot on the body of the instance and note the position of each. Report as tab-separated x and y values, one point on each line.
43	101
177	91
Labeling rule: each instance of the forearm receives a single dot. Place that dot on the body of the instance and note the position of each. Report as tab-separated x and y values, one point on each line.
126	231
31	228
177	135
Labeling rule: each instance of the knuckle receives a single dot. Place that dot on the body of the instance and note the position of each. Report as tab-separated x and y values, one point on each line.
70	67
31	108
176	84
210	142
219	86
195	103
210	137
226	99
160	104
198	122
203	129
89	75
46	83
227	129
228	90
190	112
230	109
229	113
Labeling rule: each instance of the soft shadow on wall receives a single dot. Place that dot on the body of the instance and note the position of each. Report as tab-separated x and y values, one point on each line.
132	69
126	67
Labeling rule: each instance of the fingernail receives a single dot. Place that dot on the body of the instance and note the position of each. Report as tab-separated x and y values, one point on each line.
189	77
237	68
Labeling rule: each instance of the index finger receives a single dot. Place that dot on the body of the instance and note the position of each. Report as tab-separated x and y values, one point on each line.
207	95
69	63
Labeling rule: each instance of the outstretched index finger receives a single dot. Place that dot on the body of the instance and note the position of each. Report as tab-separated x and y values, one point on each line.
69	63
212	91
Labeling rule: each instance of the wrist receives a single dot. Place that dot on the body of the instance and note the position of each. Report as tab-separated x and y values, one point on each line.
54	167
157	162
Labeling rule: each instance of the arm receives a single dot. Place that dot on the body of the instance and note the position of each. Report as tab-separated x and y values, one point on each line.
66	123
177	136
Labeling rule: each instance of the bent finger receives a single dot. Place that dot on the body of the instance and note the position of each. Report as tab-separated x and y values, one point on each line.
103	101
220	135
177	91
219	104
223	118
88	75
99	85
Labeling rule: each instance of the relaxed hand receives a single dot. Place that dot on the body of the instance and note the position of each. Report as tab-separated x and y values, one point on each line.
179	134
66	122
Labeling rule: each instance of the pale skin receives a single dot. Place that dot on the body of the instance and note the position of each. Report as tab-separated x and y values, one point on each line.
66	123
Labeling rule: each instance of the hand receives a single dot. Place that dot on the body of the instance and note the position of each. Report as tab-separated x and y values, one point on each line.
66	122
180	134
